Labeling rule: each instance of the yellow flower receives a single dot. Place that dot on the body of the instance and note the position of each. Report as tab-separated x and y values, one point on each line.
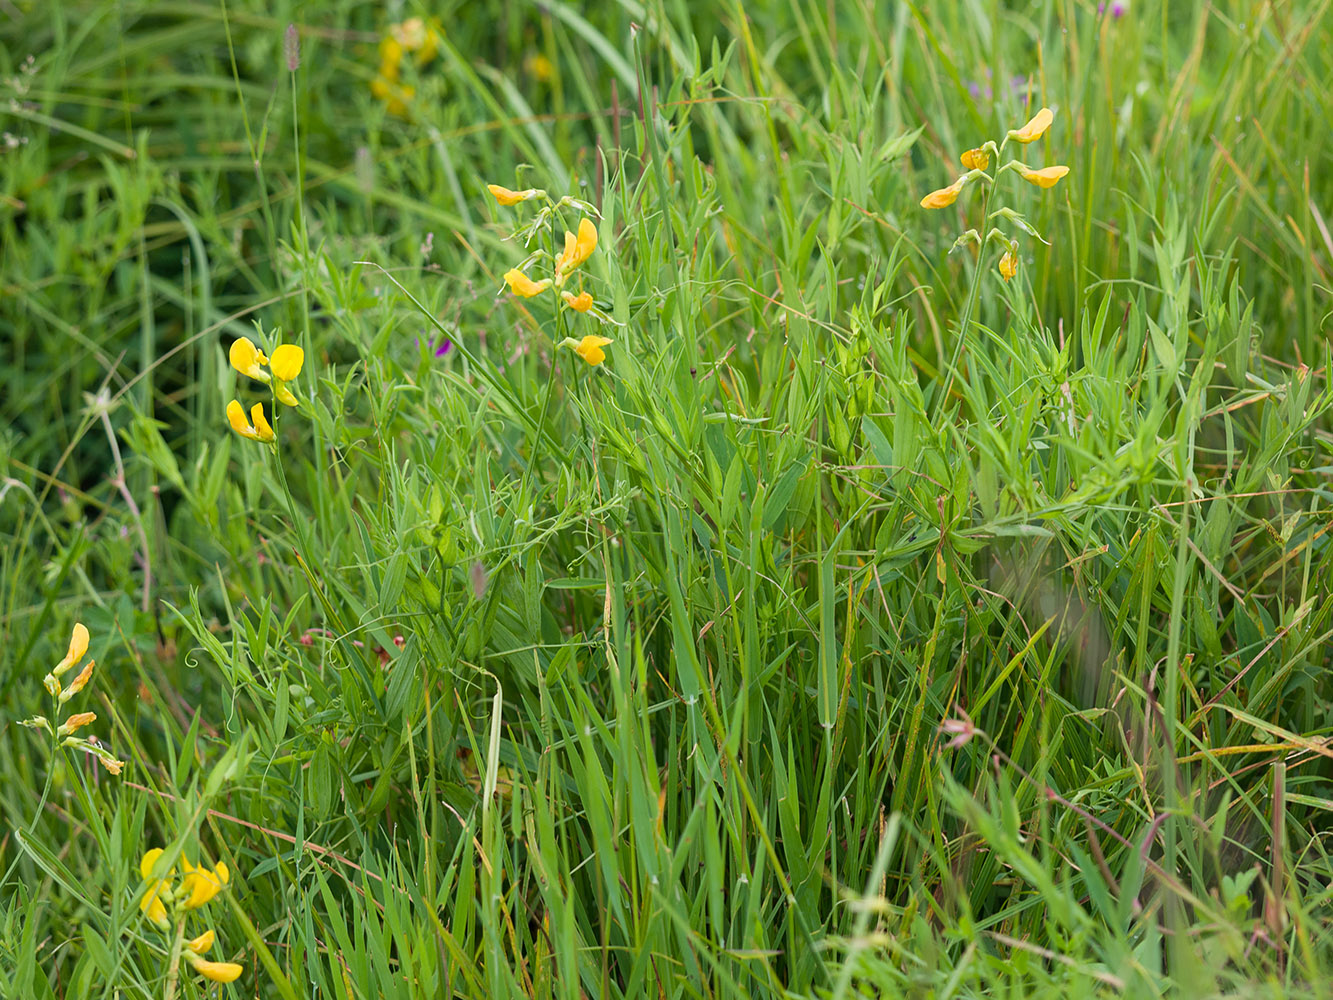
506	196
976	159
219	972
1008	264
78	646
1035	128
200	884
414	35
246	359
152	903
1046	177
395	96
581	302
589	348
540	67
391	55
261	431
577	249
202	943
520	284
75	722
79	682
287	362
944	197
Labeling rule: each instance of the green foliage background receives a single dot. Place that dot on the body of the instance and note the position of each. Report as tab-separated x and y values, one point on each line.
508	677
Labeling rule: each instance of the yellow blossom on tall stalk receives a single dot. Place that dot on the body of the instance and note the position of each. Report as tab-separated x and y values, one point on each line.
260	430
977	161
1035	128
168	904
589	348
520	284
577	250
283	368
506	196
943	197
1046	177
581	302
63	732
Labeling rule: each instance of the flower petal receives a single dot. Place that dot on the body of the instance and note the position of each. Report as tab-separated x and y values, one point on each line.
147	862
246	358
1035	128
520	284
287	361
944	197
590	349
976	159
1046	177
236	417
508	196
581	302
202	943
577	249
78	646
263	430
218	972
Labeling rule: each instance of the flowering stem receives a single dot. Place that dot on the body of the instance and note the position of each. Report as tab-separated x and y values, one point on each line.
174	963
972	297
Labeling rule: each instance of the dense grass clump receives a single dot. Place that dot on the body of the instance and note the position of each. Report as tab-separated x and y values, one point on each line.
766	590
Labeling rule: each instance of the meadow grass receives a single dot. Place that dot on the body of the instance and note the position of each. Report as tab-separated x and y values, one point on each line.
864	626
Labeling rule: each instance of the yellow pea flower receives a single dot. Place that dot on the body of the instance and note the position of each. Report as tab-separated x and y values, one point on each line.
581	302
246	358
976	159
944	197
577	249
1046	177
202	943
77	648
1035	128
218	972
589	348
261	431
1008	264
391	56
506	196
152	903
287	361
520	284
396	96
75	722
200	884
79	682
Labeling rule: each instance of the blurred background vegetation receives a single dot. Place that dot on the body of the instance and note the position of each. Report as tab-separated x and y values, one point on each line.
505	676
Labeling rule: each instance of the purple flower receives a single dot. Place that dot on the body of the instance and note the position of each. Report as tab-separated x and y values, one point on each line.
439	348
1118	8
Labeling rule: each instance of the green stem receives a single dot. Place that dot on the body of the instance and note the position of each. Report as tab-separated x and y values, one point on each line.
972	297
174	963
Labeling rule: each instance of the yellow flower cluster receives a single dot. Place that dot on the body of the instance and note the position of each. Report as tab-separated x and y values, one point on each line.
64	730
976	162
576	251
284	366
413	36
164	899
